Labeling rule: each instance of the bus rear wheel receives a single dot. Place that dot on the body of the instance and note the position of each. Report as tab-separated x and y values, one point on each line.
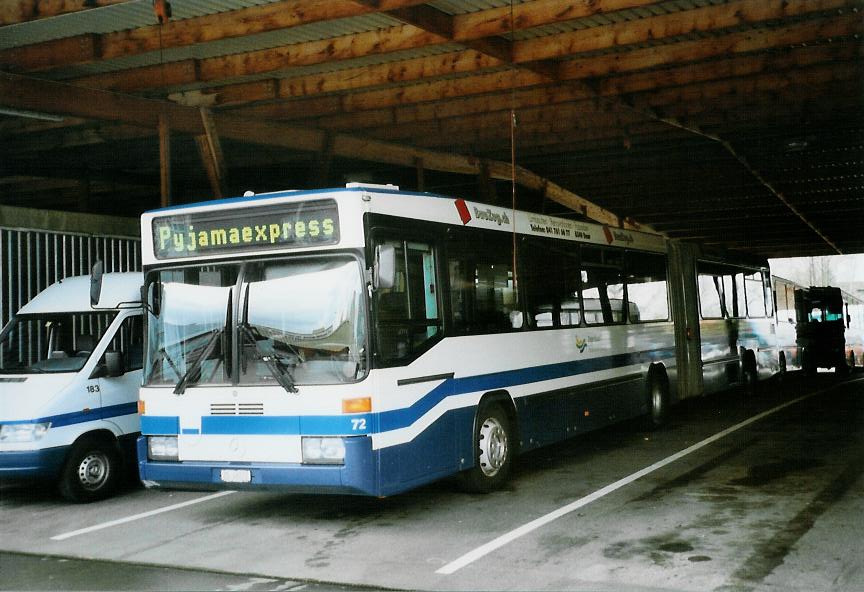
91	471
658	401
493	451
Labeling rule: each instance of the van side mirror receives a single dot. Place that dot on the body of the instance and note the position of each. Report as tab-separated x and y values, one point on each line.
96	282
385	266
114	365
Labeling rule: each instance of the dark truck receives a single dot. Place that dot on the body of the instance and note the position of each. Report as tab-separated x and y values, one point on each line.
820	328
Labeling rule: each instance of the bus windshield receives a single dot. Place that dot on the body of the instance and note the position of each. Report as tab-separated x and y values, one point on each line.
291	321
49	343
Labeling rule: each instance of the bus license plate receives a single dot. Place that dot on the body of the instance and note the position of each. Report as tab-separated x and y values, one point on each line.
236	475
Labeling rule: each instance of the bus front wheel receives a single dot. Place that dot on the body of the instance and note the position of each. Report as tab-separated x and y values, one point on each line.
493	450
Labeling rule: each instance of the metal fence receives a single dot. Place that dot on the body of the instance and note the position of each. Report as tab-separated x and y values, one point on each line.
31	260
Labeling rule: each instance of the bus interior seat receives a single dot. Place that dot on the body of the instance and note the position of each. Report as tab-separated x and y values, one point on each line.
84	345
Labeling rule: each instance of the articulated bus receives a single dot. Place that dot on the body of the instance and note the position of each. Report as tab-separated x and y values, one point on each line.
368	340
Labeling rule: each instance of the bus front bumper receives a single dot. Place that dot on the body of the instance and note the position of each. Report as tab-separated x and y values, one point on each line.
357	476
30	464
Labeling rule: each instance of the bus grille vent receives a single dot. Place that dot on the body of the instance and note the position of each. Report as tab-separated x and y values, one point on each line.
223	409
237	409
251	408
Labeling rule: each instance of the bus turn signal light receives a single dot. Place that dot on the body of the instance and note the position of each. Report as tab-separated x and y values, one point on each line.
140	407
361	405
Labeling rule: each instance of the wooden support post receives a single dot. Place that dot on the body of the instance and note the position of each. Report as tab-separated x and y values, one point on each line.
164	161
421	174
319	174
210	149
485	185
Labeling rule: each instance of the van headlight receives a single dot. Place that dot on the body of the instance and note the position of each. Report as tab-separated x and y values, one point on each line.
323	451
23	432
162	448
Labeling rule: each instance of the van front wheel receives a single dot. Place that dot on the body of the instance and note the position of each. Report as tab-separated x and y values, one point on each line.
91	472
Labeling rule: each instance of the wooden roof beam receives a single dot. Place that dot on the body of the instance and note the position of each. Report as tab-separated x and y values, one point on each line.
20	11
182	33
734	44
52	97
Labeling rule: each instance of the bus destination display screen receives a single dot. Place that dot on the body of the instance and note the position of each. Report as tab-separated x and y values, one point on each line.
297	225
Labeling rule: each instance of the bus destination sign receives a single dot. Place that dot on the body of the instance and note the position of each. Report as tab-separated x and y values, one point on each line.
297	225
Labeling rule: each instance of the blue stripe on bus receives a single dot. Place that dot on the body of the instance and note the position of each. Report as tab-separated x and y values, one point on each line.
85	415
325	425
160	425
399	418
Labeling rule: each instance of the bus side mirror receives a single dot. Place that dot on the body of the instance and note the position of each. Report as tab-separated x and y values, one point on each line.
96	282
385	266
848	320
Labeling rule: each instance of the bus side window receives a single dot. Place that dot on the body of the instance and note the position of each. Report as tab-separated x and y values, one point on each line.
551	276
646	287
483	298
407	313
754	287
602	285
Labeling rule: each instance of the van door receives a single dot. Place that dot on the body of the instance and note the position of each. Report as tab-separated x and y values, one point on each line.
119	394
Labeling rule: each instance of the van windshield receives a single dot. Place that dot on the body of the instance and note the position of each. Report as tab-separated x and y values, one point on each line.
51	343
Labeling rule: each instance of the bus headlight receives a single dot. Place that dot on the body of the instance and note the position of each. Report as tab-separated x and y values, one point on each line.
23	432
162	448
323	451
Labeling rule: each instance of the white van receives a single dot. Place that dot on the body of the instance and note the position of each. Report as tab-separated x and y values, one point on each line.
70	369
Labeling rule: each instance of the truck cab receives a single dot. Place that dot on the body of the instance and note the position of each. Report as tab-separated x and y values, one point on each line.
820	328
70	368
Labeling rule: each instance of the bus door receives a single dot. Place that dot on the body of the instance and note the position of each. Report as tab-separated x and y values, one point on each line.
407	324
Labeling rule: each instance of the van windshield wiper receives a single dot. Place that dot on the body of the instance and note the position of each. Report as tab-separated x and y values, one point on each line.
280	370
180	388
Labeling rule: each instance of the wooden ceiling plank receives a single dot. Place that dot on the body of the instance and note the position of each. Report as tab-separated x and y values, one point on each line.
653	81
20	11
143	78
203	29
347	47
734	44
387	74
710	18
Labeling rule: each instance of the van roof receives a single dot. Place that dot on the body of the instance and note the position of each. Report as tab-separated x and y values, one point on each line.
72	294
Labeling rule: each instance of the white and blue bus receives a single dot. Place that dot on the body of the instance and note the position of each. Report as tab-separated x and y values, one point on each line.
368	340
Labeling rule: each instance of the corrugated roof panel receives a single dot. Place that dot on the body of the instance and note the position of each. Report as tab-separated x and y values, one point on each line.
109	19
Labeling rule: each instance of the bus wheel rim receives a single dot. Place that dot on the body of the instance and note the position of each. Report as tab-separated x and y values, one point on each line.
493	446
93	470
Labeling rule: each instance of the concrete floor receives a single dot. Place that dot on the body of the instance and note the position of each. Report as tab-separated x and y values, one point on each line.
777	504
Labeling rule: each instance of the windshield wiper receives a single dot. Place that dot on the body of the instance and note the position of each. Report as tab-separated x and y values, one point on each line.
162	353
279	369
180	388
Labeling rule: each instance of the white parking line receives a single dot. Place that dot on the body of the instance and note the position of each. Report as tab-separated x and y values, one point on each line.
514	534
74	533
